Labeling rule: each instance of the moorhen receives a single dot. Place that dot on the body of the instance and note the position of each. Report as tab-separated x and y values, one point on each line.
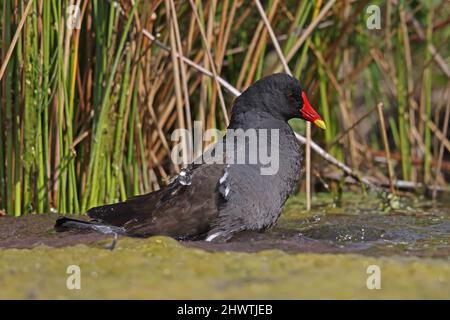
213	201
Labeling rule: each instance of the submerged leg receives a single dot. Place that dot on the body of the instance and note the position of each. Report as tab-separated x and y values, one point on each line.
113	244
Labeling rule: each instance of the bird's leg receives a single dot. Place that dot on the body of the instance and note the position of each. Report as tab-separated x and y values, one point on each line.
113	244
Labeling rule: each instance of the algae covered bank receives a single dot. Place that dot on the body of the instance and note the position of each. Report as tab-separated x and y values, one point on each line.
329	252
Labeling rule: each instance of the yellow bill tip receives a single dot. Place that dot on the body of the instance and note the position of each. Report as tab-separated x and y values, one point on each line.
320	124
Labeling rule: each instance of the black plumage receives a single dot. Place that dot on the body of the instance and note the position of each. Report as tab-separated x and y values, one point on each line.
214	201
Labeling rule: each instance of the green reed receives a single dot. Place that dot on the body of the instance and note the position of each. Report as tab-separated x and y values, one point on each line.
86	115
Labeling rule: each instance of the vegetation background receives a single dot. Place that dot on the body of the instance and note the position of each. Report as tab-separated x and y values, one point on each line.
86	113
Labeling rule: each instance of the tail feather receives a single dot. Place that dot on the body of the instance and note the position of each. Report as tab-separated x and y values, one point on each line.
65	224
113	214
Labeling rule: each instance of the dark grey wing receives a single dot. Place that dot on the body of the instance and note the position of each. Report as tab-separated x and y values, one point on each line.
184	209
119	213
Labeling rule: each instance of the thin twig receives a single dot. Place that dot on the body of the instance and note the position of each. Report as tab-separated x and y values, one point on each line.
399	184
308	31
314	146
353	126
386	146
211	62
15	38
431	48
184	77
377	56
273	37
328	157
176	76
441	148
191	63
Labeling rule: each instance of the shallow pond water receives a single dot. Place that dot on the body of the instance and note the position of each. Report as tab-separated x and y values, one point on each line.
324	253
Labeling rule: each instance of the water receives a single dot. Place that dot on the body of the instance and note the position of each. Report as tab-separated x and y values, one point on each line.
418	228
324	253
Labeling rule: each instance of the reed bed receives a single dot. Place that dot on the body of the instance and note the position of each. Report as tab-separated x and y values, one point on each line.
86	115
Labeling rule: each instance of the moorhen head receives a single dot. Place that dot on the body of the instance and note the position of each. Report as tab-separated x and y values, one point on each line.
279	95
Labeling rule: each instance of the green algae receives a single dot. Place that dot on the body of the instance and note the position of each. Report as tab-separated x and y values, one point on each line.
410	246
160	268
